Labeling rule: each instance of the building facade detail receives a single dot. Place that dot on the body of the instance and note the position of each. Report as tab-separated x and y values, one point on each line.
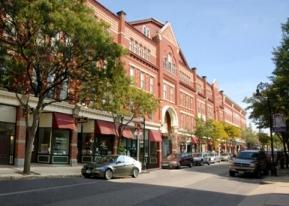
156	64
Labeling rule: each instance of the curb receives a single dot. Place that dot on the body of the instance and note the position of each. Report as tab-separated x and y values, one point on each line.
31	177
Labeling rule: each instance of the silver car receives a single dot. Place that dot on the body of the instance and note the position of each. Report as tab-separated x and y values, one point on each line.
201	158
112	166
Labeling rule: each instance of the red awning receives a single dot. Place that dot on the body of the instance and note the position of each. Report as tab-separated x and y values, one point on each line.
195	140
155	136
63	121
127	133
108	128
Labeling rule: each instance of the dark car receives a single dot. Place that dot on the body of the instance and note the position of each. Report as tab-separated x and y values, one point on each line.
112	166
249	161
178	160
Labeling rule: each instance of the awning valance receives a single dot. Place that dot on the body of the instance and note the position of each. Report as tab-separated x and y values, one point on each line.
104	127
108	128
63	121
195	140
155	136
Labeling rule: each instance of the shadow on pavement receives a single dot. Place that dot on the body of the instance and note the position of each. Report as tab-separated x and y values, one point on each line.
79	191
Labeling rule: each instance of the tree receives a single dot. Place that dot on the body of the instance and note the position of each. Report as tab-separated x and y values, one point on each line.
48	45
203	129
264	139
123	101
232	131
250	137
275	93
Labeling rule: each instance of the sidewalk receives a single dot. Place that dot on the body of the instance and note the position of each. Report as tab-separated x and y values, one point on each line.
273	191
39	171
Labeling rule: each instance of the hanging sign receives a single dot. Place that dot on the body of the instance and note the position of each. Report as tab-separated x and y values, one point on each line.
279	124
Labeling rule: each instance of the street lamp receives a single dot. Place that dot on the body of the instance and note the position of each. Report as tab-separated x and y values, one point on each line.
273	168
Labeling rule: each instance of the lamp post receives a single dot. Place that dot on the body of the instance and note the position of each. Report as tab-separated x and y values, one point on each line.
273	168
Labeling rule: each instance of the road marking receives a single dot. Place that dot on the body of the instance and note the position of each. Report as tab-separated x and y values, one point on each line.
45	189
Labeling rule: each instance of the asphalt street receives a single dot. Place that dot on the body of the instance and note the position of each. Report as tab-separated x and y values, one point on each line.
201	186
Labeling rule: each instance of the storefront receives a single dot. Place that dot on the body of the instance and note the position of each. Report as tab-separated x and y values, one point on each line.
155	140
96	138
195	143
52	145
7	134
85	140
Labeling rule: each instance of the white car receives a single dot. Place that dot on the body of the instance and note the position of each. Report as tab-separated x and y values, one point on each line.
214	157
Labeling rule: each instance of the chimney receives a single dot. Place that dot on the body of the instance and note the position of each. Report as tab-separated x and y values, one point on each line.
121	26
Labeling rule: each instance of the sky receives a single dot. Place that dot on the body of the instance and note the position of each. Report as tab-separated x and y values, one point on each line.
230	41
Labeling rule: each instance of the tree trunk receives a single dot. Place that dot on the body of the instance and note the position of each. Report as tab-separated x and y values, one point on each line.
31	132
285	150
287	163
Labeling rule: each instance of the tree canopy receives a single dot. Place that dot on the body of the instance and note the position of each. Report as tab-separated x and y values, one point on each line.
48	50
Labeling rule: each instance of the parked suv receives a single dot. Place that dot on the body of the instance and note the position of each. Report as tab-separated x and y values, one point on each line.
249	161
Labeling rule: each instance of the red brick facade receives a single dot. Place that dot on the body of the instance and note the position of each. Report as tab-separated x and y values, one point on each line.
157	65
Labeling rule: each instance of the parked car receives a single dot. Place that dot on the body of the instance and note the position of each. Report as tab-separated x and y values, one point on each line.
214	157
225	157
249	161
112	166
178	160
201	158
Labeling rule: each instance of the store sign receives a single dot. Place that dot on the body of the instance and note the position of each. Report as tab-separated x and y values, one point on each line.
279	124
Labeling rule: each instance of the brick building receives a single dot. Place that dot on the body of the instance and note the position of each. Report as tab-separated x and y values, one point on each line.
157	65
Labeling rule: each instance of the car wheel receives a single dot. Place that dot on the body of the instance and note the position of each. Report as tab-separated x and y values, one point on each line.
108	174
232	174
208	162
86	175
135	172
190	165
258	173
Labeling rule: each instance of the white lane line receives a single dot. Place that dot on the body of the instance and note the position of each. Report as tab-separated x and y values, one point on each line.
45	189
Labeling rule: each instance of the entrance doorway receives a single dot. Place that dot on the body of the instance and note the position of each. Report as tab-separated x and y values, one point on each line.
7	136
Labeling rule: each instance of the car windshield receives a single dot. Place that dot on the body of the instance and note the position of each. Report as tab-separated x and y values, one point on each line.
247	155
106	159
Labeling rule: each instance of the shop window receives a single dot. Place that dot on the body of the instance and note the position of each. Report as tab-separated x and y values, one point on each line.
44	143
60	142
7	140
87	144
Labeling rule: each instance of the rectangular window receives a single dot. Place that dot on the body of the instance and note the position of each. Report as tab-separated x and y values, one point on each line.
64	90
132	72
165	91
151	85
131	45
142	80
172	94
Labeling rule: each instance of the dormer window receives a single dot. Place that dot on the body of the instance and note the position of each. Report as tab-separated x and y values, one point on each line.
146	31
